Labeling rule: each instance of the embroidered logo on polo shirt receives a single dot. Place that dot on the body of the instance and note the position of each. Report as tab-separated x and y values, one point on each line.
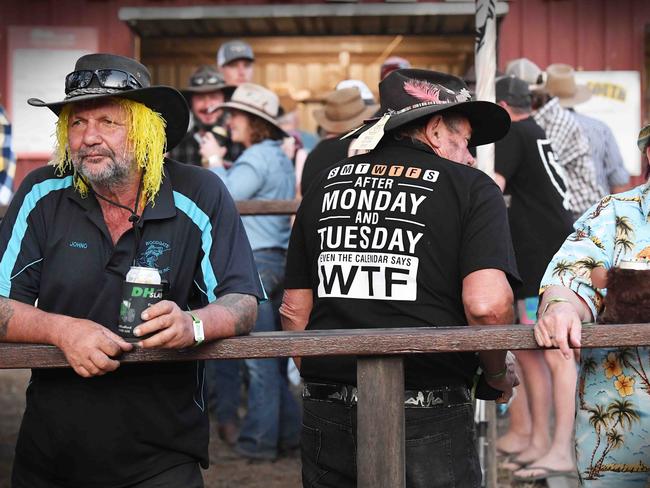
78	245
152	253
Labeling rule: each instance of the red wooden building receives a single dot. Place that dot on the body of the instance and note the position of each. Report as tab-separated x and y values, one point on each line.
307	47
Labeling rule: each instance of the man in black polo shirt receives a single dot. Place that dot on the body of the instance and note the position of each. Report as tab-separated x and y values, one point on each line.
71	234
407	235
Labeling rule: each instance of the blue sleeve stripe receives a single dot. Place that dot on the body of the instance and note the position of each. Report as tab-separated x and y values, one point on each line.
38	191
202	221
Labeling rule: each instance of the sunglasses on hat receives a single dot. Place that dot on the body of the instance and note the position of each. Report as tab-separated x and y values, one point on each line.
200	80
107	78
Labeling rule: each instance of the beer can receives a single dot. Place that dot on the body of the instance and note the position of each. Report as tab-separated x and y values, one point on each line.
637	265
141	289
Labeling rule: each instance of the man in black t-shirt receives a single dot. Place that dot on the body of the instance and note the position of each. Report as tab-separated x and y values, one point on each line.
528	171
407	235
72	232
540	221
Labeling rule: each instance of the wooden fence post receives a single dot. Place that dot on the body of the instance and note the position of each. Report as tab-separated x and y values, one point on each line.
380	422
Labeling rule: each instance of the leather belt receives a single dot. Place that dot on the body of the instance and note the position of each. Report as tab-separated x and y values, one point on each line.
440	396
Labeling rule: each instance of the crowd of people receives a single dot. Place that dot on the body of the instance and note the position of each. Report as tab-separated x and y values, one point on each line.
396	227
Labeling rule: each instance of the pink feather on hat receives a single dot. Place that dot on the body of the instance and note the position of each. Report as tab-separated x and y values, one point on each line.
423	91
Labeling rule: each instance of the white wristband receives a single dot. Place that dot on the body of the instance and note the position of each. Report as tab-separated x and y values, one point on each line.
199	333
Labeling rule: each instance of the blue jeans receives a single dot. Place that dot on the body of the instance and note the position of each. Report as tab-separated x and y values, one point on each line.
440	446
272	420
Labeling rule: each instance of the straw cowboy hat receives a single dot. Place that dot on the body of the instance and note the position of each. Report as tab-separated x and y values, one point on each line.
410	94
344	110
98	76
207	79
561	83
256	100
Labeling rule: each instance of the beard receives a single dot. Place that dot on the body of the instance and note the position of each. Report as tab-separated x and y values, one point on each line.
113	172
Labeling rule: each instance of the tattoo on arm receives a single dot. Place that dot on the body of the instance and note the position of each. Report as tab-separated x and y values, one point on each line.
6	312
244	309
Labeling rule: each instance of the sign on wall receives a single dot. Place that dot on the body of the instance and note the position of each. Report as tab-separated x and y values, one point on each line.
39	58
616	100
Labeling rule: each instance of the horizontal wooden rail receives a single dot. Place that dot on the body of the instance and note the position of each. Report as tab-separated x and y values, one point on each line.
267	207
357	342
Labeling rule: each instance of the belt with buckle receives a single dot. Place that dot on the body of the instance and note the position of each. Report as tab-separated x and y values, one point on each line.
440	396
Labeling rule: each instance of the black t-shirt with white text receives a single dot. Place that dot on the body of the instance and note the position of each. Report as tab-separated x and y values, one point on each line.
385	239
538	212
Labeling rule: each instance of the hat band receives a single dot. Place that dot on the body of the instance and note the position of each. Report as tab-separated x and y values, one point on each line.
254	107
92	91
414	106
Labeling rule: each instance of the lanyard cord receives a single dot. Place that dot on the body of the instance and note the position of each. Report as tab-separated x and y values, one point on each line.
134	218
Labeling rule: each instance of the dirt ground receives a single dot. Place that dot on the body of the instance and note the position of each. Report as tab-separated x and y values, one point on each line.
226	471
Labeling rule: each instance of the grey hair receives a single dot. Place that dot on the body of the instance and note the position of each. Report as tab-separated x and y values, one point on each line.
413	130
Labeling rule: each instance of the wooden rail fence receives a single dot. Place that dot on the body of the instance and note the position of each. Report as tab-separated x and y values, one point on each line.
380	368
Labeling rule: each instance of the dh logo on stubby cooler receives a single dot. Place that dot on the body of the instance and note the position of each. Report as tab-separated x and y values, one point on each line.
145	292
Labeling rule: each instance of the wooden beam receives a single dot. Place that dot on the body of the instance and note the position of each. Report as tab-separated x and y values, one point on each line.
135	15
381	452
357	342
267	207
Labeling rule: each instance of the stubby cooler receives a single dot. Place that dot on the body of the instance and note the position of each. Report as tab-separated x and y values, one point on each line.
143	287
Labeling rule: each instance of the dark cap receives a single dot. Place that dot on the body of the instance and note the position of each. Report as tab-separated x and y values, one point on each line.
513	91
233	50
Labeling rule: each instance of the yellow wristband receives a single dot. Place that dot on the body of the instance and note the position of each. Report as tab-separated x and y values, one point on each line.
551	302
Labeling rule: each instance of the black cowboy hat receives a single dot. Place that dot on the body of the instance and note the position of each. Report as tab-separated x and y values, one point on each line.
410	94
100	75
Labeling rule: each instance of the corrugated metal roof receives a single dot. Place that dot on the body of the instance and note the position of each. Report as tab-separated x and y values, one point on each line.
445	18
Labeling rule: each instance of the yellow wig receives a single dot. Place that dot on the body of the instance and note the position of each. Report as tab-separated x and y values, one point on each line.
146	138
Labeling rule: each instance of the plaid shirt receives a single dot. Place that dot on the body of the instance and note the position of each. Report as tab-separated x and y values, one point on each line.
608	162
187	151
572	150
7	160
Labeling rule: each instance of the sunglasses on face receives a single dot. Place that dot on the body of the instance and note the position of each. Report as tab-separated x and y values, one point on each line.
200	80
107	78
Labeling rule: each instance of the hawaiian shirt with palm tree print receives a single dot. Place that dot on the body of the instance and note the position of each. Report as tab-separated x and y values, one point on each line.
613	394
